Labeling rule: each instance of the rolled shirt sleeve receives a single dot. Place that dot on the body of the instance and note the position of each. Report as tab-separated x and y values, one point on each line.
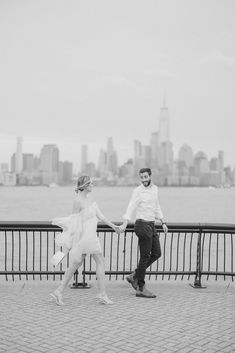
158	212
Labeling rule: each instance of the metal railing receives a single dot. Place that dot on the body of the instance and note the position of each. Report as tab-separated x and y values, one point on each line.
192	249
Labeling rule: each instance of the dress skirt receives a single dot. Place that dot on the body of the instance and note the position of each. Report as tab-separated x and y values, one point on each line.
79	235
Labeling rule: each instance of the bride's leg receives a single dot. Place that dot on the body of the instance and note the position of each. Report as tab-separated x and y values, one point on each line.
69	273
100	274
57	294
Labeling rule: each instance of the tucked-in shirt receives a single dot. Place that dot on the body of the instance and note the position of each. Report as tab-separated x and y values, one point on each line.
144	203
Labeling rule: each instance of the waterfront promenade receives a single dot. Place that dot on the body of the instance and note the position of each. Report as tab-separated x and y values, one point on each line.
181	318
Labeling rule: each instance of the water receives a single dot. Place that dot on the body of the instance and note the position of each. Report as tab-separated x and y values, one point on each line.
178	204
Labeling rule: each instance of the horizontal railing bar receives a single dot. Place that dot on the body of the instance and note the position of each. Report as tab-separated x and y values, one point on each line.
32	272
219	273
94	272
147	272
47	226
213	273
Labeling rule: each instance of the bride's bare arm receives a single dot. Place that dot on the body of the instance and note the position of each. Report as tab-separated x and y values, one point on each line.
101	217
77	206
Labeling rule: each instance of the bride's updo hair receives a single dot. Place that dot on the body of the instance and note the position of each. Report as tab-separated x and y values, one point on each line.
82	182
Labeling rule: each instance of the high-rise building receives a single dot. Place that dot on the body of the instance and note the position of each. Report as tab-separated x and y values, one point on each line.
13	163
221	167
214	164
139	160
84	158
165	154
28	162
112	160
49	164
147	155
186	155
4	167
91	170
102	163
221	160
19	156
154	145
65	172
164	124
201	163
138	150
126	173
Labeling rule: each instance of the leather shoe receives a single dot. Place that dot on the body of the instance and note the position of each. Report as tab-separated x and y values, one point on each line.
133	281
144	293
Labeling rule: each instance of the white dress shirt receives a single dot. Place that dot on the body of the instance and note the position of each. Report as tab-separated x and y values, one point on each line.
144	203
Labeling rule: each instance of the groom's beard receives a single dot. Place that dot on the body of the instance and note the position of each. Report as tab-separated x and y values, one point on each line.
146	183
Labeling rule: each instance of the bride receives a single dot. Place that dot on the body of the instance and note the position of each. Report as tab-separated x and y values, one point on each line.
79	236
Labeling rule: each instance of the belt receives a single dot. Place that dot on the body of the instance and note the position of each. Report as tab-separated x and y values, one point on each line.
144	221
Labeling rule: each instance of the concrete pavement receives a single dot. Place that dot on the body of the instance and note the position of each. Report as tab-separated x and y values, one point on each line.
181	319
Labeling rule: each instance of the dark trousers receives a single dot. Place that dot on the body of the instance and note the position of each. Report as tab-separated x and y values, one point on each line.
150	249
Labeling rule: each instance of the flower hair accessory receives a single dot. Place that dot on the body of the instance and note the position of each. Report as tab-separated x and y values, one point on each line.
80	187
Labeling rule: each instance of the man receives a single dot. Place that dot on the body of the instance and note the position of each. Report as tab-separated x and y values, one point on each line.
144	203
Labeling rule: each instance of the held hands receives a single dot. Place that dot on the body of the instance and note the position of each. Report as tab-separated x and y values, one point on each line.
116	229
122	227
165	228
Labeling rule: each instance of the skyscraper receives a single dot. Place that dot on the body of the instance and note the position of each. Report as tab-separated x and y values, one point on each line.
49	164
139	161
154	145
164	124
84	158
112	163
165	159
102	163
65	172
19	156
28	162
186	155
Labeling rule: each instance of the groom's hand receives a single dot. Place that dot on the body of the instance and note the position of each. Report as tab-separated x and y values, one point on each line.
122	227
117	229
165	228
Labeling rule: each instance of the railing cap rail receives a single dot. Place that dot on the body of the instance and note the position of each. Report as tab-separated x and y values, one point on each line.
16	225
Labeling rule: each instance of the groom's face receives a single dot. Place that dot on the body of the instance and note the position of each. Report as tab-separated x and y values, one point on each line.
145	179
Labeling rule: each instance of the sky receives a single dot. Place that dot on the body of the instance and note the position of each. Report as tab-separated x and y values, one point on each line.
77	72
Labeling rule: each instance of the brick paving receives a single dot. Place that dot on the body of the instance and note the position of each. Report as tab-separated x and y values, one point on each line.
181	318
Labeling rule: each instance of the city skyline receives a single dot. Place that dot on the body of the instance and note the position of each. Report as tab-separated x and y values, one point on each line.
163	135
77	164
185	169
77	74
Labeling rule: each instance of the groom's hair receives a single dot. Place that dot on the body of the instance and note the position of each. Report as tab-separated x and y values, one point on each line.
144	170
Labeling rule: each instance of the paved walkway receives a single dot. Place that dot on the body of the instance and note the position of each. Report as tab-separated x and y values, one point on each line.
181	319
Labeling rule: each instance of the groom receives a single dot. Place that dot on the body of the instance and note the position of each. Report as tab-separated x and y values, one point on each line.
145	204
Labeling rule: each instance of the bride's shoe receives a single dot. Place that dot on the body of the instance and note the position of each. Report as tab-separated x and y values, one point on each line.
58	297
104	299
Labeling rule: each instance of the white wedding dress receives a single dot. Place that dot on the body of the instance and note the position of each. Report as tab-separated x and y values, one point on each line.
79	234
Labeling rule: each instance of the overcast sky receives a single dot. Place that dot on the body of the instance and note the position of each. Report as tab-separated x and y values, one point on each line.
76	72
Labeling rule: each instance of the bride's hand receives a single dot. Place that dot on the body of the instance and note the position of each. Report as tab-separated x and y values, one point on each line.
116	229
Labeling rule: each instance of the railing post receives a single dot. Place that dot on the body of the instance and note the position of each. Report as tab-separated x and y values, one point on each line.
83	284
197	281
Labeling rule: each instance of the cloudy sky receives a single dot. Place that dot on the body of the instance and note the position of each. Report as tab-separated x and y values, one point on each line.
76	72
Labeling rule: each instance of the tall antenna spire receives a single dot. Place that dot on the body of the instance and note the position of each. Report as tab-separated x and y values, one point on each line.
164	100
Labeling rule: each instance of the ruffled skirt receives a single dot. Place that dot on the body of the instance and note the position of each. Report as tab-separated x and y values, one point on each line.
79	235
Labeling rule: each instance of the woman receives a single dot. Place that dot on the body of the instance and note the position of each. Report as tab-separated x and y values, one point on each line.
80	237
